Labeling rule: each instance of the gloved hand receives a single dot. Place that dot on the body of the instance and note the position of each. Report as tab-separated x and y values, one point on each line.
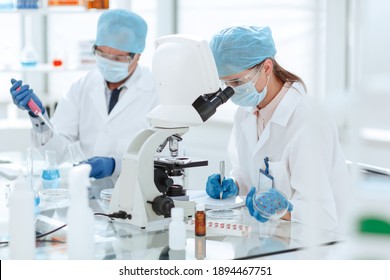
21	95
101	166
214	187
272	201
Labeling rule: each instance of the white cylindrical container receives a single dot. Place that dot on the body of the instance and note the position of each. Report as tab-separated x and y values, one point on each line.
21	221
80	237
177	230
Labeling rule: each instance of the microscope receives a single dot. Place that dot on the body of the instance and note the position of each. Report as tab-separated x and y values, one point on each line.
169	172
187	82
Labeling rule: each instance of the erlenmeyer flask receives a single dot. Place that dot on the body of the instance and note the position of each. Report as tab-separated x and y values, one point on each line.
51	174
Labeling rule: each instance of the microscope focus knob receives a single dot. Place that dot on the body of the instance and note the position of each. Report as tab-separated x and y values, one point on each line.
162	205
168	182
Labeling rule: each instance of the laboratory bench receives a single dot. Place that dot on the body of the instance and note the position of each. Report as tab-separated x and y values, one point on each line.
118	240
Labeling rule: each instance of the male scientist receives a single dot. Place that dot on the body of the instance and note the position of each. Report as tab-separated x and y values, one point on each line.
106	108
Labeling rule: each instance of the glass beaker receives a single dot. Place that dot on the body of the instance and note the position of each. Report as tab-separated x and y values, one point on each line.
50	174
29	56
268	201
75	153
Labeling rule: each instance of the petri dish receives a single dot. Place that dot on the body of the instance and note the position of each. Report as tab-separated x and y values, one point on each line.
54	197
223	215
271	204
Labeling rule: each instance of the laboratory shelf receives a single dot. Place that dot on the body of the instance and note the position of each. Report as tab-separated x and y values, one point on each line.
51	10
45	68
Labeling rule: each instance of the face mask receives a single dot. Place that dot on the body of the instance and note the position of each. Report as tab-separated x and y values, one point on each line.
246	95
112	71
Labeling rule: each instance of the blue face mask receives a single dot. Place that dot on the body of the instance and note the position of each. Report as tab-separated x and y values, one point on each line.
246	95
112	71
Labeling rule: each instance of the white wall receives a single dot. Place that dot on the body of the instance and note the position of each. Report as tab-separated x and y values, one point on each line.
370	76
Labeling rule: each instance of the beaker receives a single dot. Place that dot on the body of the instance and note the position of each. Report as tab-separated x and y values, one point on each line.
75	153
29	56
52	196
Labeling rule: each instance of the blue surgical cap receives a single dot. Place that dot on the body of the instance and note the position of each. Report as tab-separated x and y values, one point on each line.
238	48
122	30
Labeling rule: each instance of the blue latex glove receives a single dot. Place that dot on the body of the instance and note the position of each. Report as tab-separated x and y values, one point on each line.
101	166
214	187
272	201
21	95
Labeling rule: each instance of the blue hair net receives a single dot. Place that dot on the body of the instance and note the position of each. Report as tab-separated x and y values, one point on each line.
122	30
238	48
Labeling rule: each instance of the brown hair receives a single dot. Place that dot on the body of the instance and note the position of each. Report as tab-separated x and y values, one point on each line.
286	76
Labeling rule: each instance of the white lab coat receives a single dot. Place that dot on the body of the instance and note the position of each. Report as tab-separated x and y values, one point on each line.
306	159
81	115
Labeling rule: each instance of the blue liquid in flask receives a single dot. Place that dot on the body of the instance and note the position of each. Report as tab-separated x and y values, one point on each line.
50	179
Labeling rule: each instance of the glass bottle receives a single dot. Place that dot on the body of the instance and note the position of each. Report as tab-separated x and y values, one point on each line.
50	174
200	232
200	220
97	4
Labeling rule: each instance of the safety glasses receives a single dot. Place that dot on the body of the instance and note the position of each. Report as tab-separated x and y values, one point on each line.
119	58
252	75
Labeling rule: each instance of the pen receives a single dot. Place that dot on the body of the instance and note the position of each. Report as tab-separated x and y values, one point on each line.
222	174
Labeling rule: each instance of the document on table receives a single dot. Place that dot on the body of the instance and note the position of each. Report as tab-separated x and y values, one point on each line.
200	196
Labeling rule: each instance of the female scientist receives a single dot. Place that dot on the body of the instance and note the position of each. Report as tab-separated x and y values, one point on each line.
107	107
276	120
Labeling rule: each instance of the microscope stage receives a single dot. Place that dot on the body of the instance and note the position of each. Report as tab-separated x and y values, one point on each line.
179	162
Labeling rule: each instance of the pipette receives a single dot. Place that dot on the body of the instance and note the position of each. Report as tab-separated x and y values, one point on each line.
36	110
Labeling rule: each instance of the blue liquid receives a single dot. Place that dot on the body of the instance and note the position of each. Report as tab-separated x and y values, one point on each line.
37	199
27	4
29	64
6	5
50	179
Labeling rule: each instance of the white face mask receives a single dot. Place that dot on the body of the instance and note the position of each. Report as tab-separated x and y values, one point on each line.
112	71
246	95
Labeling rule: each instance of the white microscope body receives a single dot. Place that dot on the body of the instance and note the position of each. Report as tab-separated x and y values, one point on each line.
188	86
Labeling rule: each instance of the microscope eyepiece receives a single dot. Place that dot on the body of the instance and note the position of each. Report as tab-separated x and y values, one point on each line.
206	105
